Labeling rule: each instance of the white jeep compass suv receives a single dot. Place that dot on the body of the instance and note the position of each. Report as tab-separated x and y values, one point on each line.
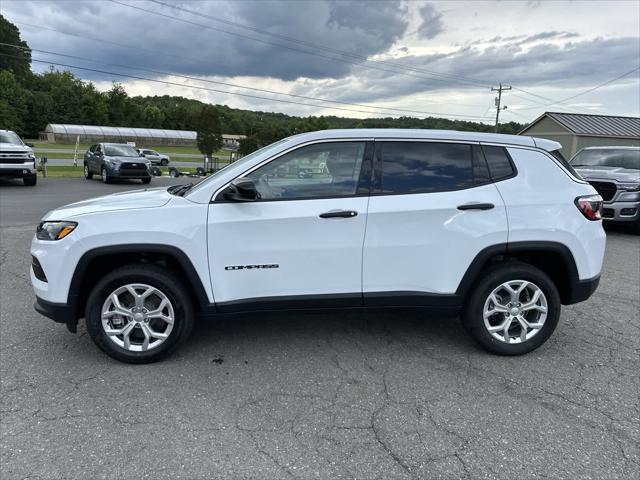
497	228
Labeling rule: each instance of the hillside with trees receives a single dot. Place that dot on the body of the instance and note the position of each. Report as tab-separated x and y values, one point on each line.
28	102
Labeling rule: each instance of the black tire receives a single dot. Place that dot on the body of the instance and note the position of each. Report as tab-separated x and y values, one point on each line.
174	173
105	176
156	171
30	181
636	227
164	162
88	174
146	180
473	319
168	283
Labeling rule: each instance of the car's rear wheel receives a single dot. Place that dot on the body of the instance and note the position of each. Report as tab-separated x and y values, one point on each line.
105	176
30	181
88	174
139	313
514	309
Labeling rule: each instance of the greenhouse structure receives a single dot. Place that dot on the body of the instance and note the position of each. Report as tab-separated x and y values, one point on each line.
61	133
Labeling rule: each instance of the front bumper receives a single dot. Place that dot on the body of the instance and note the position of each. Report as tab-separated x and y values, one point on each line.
621	211
17	170
118	172
58	312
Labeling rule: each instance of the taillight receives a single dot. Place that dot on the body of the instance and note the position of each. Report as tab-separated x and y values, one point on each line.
590	206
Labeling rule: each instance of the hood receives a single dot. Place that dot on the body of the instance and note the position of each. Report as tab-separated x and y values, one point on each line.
618	174
148	198
15	148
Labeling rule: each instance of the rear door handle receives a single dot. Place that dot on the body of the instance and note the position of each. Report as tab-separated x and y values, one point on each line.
476	206
339	214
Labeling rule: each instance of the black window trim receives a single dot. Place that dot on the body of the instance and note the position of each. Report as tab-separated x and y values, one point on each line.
509	157
376	190
367	160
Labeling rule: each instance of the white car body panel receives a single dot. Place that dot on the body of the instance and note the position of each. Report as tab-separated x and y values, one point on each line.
314	255
180	223
423	243
540	207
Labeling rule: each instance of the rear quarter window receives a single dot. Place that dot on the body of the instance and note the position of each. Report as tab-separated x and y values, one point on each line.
499	162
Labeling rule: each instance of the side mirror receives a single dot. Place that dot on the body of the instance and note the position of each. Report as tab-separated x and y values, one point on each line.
29	144
241	191
141	154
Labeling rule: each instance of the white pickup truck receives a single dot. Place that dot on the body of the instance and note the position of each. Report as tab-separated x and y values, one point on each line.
16	158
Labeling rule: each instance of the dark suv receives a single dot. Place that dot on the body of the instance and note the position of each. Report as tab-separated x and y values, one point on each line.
115	161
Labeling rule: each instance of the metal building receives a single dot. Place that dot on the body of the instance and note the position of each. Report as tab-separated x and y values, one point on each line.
576	131
61	133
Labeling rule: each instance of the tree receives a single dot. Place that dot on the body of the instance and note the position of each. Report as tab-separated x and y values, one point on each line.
152	117
208	130
16	60
13	103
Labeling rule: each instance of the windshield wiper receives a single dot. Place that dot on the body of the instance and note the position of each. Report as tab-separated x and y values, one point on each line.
180	190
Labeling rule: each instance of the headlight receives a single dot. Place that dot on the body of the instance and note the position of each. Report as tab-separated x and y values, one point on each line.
630	187
54	230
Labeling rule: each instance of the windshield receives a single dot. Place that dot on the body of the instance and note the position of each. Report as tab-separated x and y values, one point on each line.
244	160
610	157
10	137
120	151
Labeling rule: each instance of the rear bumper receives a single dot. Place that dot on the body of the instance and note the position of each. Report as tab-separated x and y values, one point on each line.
581	290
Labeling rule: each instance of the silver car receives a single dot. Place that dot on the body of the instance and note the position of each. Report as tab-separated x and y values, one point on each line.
153	156
615	173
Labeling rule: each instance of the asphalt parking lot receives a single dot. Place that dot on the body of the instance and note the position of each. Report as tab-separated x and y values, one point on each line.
357	395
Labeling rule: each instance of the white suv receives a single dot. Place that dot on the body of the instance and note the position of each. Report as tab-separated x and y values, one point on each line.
496	228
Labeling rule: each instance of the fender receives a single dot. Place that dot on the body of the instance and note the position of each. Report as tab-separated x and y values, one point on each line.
483	257
183	260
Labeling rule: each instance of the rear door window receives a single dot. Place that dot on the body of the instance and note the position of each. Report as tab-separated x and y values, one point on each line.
420	167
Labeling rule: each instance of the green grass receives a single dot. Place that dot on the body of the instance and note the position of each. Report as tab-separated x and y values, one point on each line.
64	172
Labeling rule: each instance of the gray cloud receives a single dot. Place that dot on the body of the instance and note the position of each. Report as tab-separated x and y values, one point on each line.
432	23
543	65
200	47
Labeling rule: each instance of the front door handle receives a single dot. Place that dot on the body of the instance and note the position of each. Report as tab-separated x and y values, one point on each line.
476	206
339	214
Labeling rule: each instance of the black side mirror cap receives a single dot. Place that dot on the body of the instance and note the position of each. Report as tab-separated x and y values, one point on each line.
29	144
241	191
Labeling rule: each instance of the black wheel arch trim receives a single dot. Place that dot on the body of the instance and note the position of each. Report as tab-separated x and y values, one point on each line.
579	290
183	260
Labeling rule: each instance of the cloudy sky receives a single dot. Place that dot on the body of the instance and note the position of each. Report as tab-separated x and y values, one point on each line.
370	58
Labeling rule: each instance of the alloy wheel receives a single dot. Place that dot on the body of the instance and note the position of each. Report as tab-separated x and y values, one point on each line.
137	317
515	311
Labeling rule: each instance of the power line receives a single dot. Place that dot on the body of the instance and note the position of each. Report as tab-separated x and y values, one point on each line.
604	84
240	86
199	60
317	46
166	82
280	45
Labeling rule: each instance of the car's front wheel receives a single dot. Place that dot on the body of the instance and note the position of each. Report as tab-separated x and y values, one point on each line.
164	162
30	181
139	313
514	309
88	174
105	175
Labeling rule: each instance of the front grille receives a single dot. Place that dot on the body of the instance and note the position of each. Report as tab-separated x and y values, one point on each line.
37	269
13	160
607	190
608	213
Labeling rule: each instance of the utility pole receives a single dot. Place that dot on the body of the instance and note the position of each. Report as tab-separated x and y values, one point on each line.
500	89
